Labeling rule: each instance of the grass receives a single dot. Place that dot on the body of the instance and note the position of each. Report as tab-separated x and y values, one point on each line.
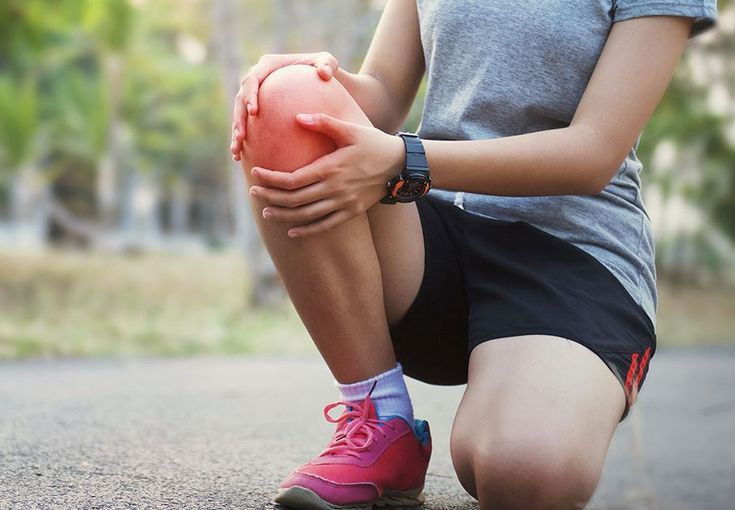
67	304
74	304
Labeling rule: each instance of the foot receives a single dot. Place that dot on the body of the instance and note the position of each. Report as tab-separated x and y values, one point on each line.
368	462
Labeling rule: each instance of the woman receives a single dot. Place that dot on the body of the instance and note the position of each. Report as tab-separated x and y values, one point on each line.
527	271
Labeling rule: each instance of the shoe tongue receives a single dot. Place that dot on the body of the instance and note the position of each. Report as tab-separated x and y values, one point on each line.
372	413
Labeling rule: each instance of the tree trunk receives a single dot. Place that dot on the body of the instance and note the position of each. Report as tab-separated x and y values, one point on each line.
108	185
180	206
140	221
265	288
29	207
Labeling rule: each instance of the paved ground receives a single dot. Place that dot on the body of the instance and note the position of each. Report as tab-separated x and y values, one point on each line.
221	433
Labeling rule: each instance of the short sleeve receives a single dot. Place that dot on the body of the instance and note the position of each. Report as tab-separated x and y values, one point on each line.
704	12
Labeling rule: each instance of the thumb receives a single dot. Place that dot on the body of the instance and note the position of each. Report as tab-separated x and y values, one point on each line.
338	130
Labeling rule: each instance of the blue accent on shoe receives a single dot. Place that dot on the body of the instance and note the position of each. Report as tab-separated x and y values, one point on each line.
421	429
391	416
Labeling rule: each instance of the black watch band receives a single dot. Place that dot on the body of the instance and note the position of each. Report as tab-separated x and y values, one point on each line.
413	181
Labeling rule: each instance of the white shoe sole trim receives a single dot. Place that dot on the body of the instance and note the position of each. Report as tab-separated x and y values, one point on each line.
301	498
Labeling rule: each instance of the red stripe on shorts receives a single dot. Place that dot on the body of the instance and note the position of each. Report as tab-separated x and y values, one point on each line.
644	362
631	372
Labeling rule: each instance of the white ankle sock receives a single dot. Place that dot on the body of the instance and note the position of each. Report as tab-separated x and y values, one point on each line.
390	395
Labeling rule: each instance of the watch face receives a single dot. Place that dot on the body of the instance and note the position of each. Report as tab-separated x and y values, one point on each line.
410	189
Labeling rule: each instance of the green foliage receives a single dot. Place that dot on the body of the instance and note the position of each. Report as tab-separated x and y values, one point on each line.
686	118
18	120
70	69
77	115
109	22
176	123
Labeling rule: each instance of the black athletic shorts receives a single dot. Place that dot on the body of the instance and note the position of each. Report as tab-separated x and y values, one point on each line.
486	279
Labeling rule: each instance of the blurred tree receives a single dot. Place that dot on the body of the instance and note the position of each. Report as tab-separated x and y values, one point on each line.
109	23
18	136
24	31
114	123
265	288
689	146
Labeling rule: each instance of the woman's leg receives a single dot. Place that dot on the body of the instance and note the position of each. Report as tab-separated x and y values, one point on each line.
535	423
342	282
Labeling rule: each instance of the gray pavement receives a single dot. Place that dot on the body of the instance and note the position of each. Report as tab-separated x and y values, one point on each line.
222	433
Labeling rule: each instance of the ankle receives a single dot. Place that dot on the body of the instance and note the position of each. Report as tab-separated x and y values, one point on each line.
389	395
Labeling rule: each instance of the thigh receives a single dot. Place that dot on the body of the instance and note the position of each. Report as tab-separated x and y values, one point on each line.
429	331
399	244
536	404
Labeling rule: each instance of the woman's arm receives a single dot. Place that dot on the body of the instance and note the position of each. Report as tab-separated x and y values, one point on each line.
583	157
578	159
392	70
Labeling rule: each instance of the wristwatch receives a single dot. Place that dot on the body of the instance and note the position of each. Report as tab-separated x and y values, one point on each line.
413	182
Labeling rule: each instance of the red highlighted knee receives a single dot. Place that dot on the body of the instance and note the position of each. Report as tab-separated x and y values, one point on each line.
274	138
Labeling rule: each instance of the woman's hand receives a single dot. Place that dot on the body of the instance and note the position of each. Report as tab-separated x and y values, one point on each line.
246	100
335	187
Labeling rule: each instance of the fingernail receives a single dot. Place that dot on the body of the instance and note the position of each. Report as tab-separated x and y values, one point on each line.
254	171
267	213
293	233
253	193
305	118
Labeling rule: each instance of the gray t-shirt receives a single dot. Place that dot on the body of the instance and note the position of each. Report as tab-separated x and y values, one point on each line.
503	67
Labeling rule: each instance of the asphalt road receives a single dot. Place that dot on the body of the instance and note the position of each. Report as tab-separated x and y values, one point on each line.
222	433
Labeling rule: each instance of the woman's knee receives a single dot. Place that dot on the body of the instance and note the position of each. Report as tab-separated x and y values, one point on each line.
517	468
274	139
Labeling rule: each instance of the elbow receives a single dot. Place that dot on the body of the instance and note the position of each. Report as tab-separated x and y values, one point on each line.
599	168
598	176
599	160
597	180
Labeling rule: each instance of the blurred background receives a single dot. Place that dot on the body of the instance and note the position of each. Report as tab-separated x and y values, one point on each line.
124	225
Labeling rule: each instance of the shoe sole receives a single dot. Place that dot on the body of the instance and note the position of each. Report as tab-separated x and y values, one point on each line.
301	498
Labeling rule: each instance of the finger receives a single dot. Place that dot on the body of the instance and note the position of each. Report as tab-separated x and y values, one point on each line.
325	72
285	180
236	113
300	215
326	65
235	147
304	176
236	153
239	117
329	222
296	198
251	82
338	130
233	142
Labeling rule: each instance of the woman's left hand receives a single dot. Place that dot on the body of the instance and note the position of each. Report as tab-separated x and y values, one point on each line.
336	187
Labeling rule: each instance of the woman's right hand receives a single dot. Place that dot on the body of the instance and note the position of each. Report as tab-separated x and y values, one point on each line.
246	100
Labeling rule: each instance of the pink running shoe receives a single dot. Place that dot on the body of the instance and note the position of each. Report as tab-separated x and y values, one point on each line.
368	462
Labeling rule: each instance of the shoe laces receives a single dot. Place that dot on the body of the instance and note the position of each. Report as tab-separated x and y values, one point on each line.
359	430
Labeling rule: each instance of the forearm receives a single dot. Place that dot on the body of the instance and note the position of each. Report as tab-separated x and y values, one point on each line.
374	99
565	161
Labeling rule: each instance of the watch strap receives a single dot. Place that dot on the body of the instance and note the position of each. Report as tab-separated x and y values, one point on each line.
415	163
